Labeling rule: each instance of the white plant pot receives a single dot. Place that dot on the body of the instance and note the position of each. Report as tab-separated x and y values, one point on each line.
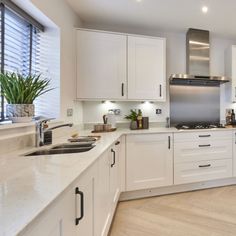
20	113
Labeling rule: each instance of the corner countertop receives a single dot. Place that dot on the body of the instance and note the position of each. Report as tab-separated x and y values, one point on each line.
29	184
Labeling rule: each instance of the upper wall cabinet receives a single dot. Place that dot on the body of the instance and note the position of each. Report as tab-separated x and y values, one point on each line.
101	65
146	68
230	69
103	71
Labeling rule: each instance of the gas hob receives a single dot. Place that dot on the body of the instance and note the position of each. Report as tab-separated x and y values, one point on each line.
198	126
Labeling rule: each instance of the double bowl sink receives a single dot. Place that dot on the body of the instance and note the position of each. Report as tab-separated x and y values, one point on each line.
65	148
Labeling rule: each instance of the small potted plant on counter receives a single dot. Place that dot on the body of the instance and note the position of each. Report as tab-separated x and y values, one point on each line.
20	92
133	119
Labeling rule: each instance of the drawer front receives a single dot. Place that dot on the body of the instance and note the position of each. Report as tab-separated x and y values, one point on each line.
202	150
202	136
202	171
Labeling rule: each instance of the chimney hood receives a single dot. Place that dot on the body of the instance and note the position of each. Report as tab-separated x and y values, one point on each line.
197	62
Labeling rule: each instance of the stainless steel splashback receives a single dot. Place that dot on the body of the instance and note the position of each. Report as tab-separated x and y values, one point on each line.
192	104
198	52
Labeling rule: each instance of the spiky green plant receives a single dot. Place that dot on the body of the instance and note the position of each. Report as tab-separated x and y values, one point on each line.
19	89
132	116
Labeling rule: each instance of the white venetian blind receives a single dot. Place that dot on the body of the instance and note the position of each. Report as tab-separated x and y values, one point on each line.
29	48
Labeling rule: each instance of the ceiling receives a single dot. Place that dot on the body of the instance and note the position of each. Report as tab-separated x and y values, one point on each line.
163	15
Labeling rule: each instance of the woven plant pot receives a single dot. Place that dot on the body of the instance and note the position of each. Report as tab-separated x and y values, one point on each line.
20	113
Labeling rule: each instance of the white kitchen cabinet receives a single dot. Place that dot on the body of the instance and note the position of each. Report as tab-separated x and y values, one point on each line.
149	161
84	203
146	68
57	220
102	200
71	214
110	68
101	65
108	189
230	70
197	171
114	172
201	156
234	153
202	145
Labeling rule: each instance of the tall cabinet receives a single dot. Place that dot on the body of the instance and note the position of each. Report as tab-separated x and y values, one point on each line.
120	67
230	70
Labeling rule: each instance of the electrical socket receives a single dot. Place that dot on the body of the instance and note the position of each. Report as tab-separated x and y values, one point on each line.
158	111
117	112
69	112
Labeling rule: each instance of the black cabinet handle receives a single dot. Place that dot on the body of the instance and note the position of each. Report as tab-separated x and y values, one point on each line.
168	142
77	191
160	90
204	136
204	166
207	145
114	158
122	89
117	143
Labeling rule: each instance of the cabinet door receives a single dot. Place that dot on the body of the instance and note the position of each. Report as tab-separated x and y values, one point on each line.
234	154
57	220
233	74
149	161
114	173
84	204
102	199
101	65
146	68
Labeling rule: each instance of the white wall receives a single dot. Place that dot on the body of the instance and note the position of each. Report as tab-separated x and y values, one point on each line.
176	63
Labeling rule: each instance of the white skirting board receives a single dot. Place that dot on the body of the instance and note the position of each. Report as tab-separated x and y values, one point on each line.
176	189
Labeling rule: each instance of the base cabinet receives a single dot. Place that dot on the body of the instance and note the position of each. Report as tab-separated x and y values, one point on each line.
57	220
149	161
202	156
234	154
84	203
71	214
108	189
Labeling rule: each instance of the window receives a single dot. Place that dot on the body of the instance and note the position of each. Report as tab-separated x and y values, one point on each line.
19	43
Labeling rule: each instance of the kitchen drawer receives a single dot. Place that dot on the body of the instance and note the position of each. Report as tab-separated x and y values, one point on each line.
202	171
202	135
202	150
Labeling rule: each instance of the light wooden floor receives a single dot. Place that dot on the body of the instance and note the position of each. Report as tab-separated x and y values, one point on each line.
209	212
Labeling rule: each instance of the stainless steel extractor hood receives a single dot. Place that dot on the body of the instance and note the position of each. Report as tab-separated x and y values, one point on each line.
197	62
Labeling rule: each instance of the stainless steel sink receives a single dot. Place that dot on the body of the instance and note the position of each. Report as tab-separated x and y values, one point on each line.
73	145
60	151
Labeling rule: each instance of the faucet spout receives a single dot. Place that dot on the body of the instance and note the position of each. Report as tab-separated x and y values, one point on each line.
59	126
41	129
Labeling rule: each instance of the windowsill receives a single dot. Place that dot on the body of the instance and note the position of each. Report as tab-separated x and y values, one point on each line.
23	125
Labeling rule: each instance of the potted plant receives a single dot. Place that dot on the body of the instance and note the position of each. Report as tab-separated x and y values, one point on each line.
20	92
133	119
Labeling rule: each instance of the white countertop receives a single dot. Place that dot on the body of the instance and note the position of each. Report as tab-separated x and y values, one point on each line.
29	184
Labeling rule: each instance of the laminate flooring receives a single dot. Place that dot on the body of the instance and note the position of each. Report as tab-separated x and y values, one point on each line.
210	212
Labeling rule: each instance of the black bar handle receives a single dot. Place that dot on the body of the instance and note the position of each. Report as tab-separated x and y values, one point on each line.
168	142
117	143
160	90
204	166
77	191
204	136
114	158
122	89
207	145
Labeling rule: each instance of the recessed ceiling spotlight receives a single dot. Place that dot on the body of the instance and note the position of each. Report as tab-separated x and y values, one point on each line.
138	0
205	9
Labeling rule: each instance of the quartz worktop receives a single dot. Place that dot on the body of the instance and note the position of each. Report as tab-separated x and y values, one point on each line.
28	184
